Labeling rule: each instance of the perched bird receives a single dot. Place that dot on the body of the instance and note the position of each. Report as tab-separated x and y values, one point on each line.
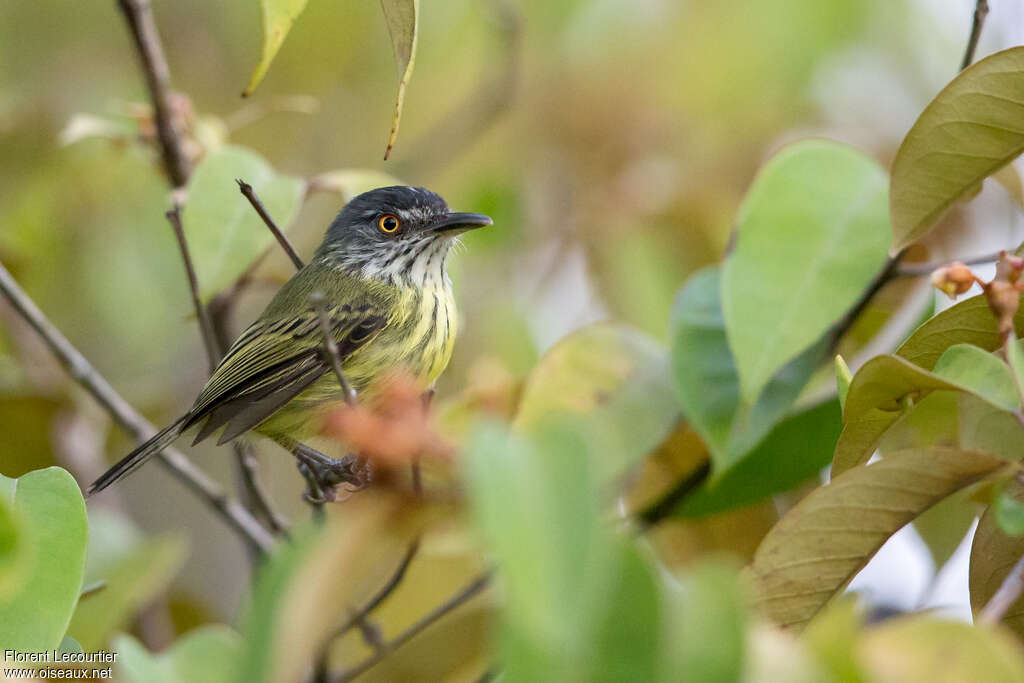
381	271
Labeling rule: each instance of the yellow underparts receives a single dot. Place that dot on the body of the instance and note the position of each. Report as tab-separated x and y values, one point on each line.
417	342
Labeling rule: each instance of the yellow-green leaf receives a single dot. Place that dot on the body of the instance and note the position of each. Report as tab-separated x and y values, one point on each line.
278	17
968	322
879	395
969	131
403	18
923	649
993	554
209	654
981	373
814	551
843	379
616	381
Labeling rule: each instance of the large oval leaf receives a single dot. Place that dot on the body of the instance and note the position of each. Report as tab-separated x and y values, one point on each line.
278	17
224	233
52	509
969	131
814	551
993	554
812	233
616	381
707	383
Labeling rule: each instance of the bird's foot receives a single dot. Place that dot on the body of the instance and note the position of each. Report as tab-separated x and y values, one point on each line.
331	479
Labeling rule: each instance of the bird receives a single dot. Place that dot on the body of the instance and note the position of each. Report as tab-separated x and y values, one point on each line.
381	275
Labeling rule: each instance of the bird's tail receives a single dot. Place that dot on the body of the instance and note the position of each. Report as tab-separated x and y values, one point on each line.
138	457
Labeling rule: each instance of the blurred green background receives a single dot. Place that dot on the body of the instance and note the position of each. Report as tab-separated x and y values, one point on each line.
611	140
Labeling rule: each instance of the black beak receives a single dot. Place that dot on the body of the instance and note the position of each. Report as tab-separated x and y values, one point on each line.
461	222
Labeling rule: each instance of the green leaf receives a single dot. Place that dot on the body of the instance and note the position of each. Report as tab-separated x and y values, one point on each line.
707	383
981	373
968	322
814	551
211	654
134	570
832	637
812	233
278	17
15	547
224	233
968	132
880	393
536	503
1009	513
403	20
335	564
796	450
50	505
843	379
707	627
616	381
1015	357
923	649
993	554
944	526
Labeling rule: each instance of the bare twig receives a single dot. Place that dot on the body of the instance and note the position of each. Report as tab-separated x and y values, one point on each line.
918	269
250	194
977	22
202	315
460	598
385	591
1009	591
139	16
128	419
319	303
665	505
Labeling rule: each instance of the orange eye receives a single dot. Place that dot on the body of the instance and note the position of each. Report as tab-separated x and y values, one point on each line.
388	223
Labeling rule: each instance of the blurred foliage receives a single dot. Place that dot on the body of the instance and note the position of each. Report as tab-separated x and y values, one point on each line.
649	165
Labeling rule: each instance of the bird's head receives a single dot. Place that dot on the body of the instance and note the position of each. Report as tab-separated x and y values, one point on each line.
399	233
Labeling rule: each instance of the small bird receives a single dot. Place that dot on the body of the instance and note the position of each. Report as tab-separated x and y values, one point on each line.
381	273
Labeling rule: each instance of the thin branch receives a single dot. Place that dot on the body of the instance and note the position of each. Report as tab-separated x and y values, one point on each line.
884	277
1010	589
664	506
128	419
977	22
250	194
319	303
460	598
385	591
139	16
202	315
918	269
